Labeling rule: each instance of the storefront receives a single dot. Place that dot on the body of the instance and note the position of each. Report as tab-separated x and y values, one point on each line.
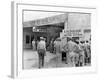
49	28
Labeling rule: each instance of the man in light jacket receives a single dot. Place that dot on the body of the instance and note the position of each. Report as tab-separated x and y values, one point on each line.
41	48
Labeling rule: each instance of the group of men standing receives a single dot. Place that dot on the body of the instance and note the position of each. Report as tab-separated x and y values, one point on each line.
77	53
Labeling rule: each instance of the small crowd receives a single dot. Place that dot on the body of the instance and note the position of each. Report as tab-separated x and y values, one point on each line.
73	52
77	53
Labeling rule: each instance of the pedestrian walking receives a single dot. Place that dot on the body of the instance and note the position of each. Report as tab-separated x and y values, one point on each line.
72	54
57	46
88	52
33	45
52	46
63	49
41	49
80	51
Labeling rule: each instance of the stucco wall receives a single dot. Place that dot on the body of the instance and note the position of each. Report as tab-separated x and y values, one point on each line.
79	21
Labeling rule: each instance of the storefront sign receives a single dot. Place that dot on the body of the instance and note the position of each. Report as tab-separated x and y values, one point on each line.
73	33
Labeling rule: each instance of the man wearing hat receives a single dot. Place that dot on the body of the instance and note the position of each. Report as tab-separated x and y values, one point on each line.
41	48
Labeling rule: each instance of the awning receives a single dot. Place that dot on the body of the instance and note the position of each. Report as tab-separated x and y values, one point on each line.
46	21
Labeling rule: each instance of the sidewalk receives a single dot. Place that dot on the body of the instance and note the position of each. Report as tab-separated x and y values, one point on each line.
31	59
51	60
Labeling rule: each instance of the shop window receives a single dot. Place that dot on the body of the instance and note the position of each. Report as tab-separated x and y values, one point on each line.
27	39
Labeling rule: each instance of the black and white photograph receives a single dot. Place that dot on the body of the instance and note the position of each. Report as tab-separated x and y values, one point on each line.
50	40
56	39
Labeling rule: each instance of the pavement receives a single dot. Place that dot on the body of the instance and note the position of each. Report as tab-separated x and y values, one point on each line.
51	60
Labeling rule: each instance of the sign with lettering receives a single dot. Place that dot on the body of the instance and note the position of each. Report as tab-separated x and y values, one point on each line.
73	33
